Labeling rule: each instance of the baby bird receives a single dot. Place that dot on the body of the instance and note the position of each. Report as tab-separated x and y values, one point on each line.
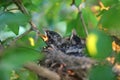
76	46
75	40
53	38
70	46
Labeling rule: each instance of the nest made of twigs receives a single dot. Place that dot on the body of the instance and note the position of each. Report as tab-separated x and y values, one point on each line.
68	67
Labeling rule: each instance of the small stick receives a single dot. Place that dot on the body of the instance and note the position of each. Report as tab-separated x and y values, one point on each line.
83	22
41	71
81	16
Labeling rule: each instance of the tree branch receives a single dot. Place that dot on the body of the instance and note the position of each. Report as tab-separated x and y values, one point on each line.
20	36
83	22
43	72
81	16
23	10
20	6
73	2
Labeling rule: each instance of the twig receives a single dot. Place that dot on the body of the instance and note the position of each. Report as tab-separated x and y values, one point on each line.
20	36
83	22
20	6
34	27
23	10
73	2
81	17
41	71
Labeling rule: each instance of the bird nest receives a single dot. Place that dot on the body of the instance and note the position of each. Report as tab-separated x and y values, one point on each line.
66	57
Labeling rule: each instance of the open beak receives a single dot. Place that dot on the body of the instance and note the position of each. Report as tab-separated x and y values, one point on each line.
44	37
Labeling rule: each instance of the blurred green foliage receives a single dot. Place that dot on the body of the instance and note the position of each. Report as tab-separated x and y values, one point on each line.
110	20
26	75
15	57
99	44
13	20
102	72
60	16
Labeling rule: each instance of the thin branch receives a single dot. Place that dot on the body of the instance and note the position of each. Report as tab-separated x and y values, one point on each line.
20	36
23	10
83	22
34	27
43	72
20	6
82	19
73	2
81	16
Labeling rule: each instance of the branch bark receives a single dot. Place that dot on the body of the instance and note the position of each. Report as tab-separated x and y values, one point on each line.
41	71
33	26
81	16
23	10
83	22
20	36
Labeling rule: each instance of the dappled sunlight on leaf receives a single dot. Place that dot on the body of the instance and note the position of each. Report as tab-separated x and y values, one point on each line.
92	44
102	7
116	68
97	34
14	75
110	20
111	59
14	20
32	42
99	44
115	47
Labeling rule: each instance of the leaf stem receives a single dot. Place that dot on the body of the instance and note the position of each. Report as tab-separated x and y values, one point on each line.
20	36
81	16
23	10
83	22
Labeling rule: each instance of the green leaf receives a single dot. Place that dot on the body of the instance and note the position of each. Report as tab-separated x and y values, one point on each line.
2	26
109	2
90	3
77	25
101	72
110	20
19	56
5	3
89	18
26	75
117	57
32	5
99	44
16	57
6	35
14	28
24	41
13	20
78	2
4	73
